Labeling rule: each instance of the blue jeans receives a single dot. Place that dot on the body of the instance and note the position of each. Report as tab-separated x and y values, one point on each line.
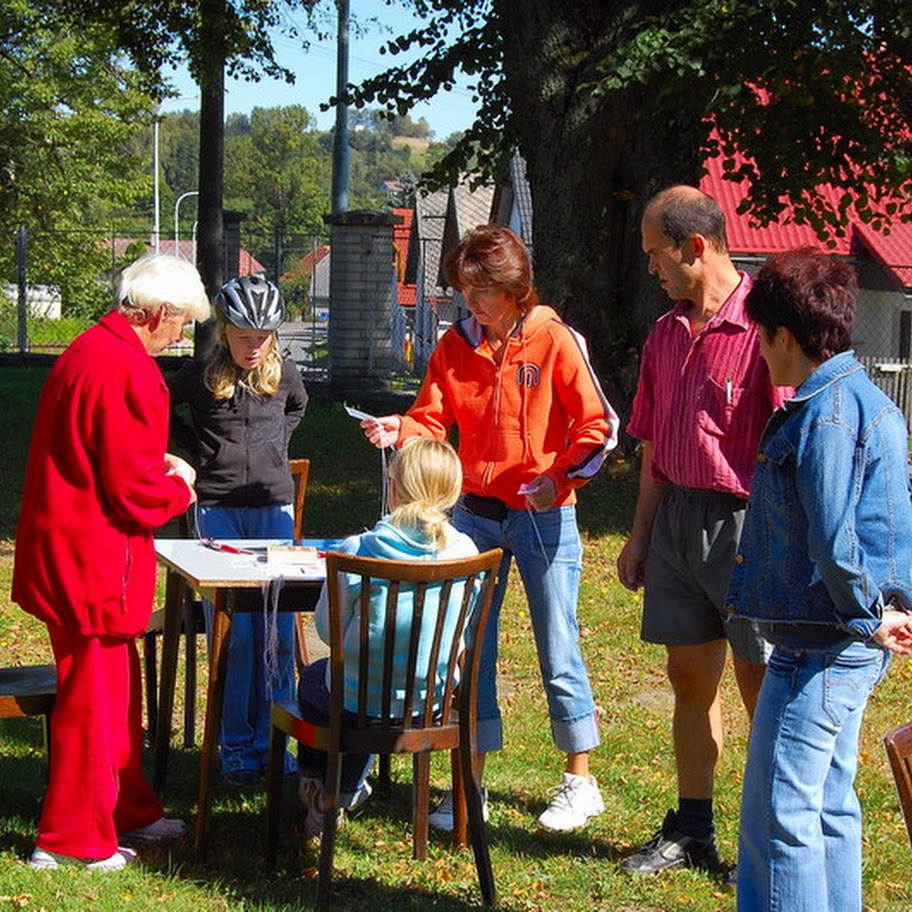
313	700
244	733
799	847
548	553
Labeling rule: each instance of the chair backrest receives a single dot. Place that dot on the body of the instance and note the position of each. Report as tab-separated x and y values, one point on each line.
397	664
300	470
899	752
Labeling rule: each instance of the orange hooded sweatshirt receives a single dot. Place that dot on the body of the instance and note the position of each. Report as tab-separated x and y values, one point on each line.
540	411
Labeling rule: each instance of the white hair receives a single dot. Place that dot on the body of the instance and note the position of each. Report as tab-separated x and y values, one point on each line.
158	280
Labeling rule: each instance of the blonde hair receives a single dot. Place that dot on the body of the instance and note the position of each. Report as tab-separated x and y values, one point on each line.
223	376
427	477
156	281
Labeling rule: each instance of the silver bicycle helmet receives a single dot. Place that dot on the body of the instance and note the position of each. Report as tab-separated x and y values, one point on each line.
250	302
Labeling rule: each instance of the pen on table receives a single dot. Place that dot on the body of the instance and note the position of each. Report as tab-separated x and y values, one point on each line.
221	546
728	391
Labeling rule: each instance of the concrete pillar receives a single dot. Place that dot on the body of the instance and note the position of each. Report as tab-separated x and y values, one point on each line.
361	294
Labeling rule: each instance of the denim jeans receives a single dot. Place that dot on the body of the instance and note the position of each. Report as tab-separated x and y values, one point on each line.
313	700
799	847
244	733
548	553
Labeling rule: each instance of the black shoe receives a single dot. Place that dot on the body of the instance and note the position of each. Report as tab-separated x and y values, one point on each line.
242	778
671	848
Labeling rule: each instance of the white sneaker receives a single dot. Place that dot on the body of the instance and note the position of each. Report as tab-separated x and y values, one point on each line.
574	801
163	828
42	860
351	801
441	818
313	797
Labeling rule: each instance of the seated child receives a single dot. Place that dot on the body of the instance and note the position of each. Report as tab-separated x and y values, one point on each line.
425	481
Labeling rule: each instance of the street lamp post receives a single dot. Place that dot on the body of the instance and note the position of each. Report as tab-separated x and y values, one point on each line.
177	203
156	203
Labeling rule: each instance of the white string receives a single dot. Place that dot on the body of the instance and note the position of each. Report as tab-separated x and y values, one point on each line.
271	590
541	544
384	482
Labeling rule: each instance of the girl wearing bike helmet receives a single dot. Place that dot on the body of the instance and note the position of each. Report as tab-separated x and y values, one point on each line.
245	402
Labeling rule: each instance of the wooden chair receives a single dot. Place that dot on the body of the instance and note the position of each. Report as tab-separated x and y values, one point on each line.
899	752
463	588
300	472
193	623
29	690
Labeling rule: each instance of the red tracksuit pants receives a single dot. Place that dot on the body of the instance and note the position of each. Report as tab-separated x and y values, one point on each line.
96	787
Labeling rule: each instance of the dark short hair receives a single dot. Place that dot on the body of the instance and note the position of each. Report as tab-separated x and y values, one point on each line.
809	293
685	211
493	256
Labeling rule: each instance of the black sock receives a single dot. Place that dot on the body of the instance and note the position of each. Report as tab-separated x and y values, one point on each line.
695	817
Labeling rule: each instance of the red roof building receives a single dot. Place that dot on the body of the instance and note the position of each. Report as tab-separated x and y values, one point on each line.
892	251
407	292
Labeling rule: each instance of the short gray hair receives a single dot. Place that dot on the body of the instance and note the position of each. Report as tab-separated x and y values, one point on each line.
684	211
156	281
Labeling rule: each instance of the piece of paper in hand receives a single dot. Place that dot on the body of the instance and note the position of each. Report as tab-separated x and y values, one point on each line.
358	415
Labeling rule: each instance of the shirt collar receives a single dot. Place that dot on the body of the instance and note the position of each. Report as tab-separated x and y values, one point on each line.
732	311
831	370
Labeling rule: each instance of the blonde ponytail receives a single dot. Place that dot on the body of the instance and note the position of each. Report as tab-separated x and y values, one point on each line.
427	478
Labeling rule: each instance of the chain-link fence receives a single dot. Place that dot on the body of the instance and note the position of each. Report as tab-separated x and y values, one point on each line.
57	283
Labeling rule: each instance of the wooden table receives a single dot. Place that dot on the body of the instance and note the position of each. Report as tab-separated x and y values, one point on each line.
234	583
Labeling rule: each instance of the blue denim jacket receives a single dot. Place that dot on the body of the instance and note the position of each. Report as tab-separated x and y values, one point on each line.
827	537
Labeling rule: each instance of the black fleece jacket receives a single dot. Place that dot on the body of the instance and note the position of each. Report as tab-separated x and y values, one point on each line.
239	445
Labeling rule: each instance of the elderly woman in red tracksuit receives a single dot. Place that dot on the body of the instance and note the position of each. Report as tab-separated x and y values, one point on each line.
533	426
98	481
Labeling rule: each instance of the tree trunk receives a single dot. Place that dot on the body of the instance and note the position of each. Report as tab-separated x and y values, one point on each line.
211	161
592	163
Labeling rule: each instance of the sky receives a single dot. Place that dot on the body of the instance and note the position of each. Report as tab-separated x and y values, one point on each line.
315	74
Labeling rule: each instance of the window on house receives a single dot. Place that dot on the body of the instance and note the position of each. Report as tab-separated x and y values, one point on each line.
905	334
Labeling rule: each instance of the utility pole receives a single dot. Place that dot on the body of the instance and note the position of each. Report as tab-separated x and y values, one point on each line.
156	194
340	168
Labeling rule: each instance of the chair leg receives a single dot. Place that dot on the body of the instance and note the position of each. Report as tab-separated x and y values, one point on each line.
477	828
150	661
384	782
421	778
459	800
274	778
47	743
190	607
330	825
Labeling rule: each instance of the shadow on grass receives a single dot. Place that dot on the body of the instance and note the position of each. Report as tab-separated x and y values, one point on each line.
379	835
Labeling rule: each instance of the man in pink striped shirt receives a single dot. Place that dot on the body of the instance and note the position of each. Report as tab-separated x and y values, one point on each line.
703	398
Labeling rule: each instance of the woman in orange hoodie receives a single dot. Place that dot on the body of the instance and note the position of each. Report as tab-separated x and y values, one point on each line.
533	426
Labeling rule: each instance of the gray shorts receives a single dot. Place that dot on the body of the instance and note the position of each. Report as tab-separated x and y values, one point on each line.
694	542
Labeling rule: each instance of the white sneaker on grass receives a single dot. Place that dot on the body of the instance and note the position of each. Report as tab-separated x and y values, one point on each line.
313	797
573	802
163	828
42	860
441	818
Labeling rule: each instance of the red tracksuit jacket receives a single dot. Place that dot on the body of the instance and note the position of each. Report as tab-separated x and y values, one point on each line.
95	487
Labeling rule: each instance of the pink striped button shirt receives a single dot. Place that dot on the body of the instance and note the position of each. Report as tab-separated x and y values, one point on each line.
704	400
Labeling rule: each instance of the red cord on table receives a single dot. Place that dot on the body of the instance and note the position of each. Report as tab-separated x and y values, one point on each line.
221	546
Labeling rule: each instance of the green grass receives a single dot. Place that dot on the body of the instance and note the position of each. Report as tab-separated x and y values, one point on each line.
534	870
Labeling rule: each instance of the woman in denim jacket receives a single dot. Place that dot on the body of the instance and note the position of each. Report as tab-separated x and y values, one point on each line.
825	564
